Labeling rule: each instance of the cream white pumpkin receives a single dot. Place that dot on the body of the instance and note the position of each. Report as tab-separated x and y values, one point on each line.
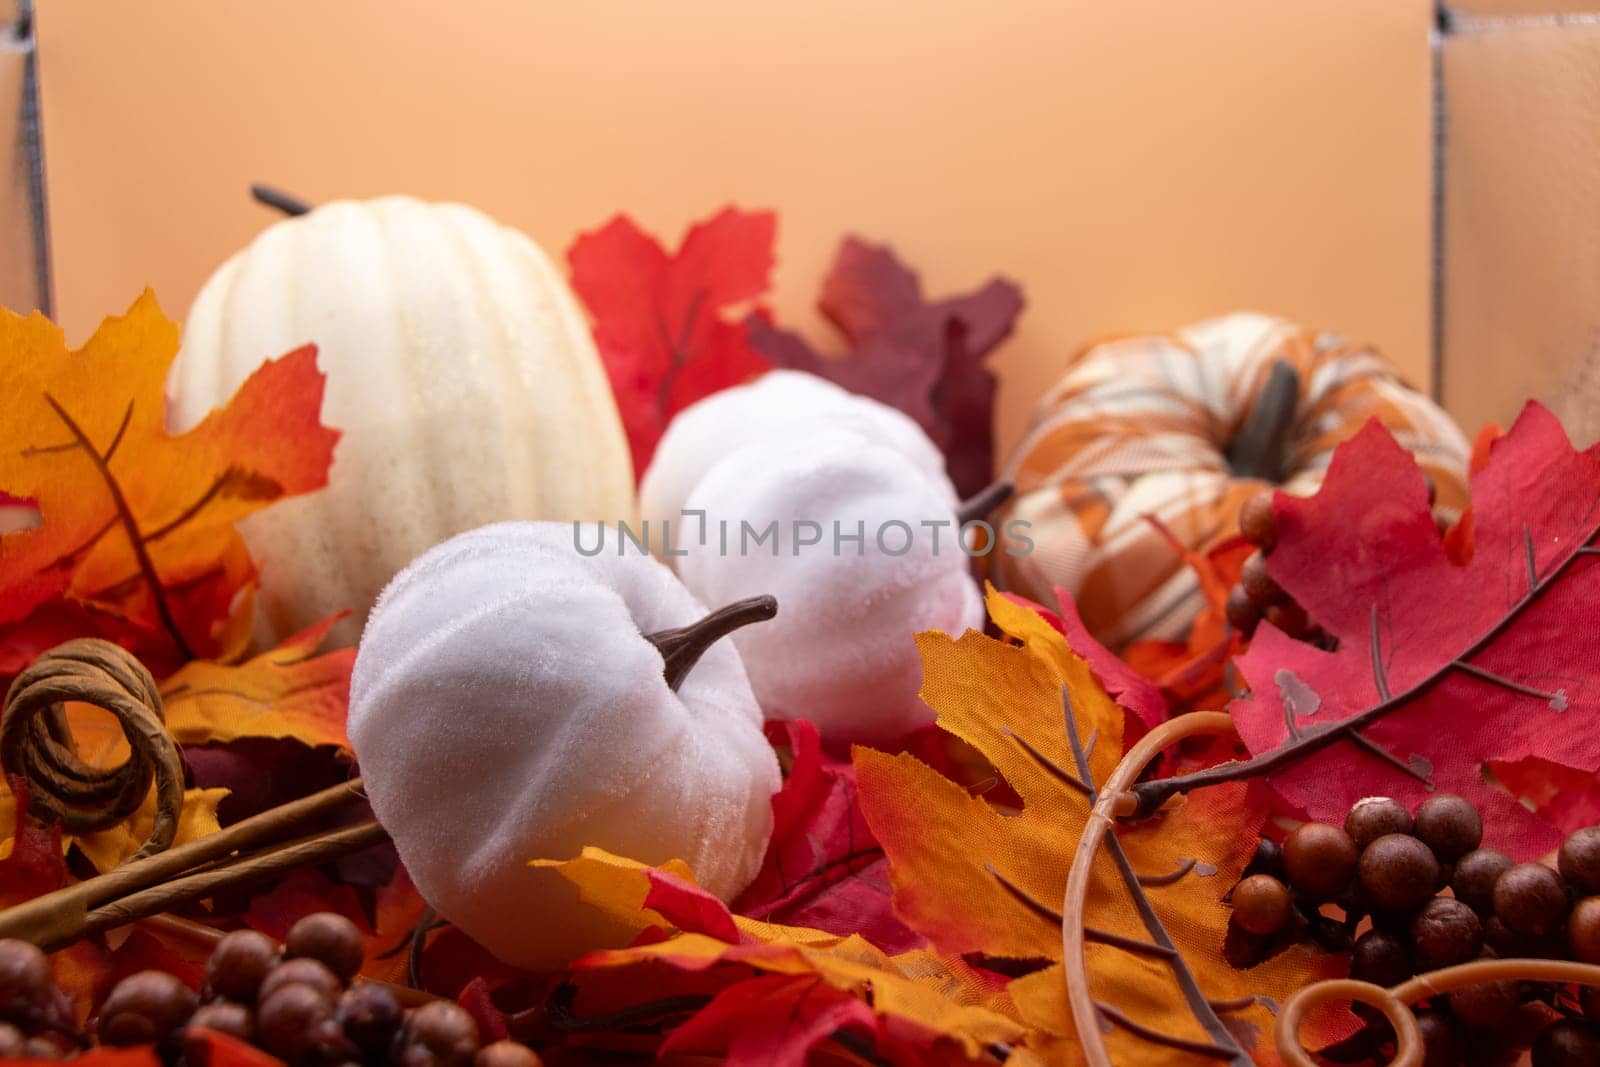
506	706
459	368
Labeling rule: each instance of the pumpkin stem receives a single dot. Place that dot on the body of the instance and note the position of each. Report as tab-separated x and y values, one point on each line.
287	203
1259	449
985	500
682	648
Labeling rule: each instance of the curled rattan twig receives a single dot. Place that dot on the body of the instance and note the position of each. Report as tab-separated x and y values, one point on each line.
36	742
1395	1002
1110	801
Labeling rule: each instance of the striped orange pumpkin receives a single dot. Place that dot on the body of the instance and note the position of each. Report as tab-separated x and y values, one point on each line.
1185	428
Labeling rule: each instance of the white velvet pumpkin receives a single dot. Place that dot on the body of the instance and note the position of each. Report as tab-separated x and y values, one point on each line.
783	406
841	651
459	368
506	707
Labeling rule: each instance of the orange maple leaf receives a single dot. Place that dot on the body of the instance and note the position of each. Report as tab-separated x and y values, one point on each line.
134	536
287	692
975	878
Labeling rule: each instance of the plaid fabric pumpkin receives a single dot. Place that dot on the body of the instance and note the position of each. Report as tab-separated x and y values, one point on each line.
1144	426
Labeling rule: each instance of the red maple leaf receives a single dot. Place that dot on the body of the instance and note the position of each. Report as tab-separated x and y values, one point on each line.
823	869
1443	668
925	358
659	318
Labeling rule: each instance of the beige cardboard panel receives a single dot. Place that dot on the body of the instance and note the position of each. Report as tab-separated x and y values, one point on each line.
1517	8
1522	210
1134	164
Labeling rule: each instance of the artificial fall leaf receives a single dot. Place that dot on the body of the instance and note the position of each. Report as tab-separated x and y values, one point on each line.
823	868
289	692
661	320
1193	673
1442	668
974	877
135	535
939	1007
925	358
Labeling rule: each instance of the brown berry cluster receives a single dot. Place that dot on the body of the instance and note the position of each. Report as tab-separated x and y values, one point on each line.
1408	892
301	1002
1258	596
35	1017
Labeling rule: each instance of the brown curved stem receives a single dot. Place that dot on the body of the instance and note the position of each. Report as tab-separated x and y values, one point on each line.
1260	448
682	648
1086	1014
1395	1002
985	500
273	197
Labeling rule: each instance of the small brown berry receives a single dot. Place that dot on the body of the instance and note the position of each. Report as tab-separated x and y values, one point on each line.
369	1015
1486	1006
43	1047
1320	860
239	963
1266	859
1579	861
1531	899
1398	873
1261	904
443	1029
313	973
25	978
1289	617
329	938
11	1042
1567	1043
1243	613
1256	522
1446	932
507	1054
1381	958
225	1017
1372	817
144	1008
1449	825
295	1020
1257	583
1583	931
1475	875
1443	1043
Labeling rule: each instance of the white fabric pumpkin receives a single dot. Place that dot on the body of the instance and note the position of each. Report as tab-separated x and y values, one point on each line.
841	651
459	368
506	707
782	405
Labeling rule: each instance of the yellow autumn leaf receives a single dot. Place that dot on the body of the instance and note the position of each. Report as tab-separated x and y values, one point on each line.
975	877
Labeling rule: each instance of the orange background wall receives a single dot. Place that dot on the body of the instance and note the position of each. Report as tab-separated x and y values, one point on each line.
1134	164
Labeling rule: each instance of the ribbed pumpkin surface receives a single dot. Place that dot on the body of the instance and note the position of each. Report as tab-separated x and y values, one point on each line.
459	368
